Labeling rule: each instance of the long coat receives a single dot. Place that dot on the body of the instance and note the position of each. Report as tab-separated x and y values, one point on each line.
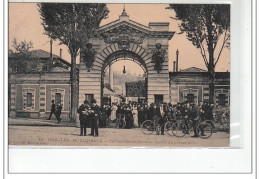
82	116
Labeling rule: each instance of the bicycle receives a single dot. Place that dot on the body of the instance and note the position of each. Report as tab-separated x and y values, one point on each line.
117	123
184	126
221	121
148	127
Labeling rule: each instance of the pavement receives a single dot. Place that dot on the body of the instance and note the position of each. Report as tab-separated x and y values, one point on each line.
42	132
39	122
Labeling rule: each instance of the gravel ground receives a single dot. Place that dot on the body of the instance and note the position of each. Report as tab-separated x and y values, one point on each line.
36	132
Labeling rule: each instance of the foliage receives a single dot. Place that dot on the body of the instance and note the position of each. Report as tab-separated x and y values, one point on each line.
135	89
72	24
21	60
88	56
158	57
23	46
205	25
121	78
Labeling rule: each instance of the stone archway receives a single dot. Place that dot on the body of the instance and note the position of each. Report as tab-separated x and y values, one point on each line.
126	37
118	56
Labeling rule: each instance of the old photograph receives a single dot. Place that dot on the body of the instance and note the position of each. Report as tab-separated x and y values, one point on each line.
124	75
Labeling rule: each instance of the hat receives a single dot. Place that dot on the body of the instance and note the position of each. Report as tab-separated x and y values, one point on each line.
93	101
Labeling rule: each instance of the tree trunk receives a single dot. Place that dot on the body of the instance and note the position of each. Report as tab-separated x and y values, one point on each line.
211	87
211	71
74	89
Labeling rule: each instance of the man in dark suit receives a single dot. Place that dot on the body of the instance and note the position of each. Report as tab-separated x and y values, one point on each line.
95	114
84	117
194	116
58	112
160	118
53	109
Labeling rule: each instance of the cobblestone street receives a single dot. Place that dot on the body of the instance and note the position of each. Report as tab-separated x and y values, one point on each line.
41	132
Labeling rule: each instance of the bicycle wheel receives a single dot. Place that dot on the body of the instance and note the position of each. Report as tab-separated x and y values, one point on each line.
190	129
204	130
148	127
179	129
168	128
227	127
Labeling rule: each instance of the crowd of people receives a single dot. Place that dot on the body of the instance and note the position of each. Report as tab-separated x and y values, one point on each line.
134	114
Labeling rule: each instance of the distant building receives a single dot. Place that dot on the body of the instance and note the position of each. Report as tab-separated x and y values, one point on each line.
31	93
192	84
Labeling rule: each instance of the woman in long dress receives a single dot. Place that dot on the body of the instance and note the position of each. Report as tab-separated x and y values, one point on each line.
113	112
135	116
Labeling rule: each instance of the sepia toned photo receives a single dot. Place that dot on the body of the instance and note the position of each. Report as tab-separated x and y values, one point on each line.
124	75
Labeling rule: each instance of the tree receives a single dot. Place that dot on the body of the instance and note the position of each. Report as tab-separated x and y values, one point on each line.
21	59
72	24
207	26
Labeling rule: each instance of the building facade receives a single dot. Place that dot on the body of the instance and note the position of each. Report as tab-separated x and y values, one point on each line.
192	84
30	94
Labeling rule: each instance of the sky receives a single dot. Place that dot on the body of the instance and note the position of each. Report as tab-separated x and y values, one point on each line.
25	24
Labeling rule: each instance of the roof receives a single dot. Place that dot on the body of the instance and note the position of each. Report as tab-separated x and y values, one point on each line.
42	54
193	69
124	20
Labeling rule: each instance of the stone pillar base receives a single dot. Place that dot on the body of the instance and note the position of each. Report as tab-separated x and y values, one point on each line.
42	115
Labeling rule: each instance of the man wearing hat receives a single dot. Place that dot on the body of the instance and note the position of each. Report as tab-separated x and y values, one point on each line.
53	109
95	114
160	118
83	117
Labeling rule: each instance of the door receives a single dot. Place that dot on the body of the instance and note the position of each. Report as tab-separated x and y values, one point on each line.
158	98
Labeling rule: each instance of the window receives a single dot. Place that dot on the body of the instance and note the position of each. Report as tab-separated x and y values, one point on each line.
89	97
158	98
222	99
29	98
190	97
57	98
29	102
57	94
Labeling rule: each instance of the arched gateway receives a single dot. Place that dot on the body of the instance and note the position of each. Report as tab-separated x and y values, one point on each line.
126	39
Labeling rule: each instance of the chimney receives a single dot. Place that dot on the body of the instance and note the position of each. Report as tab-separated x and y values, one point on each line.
60	53
49	61
174	66
177	59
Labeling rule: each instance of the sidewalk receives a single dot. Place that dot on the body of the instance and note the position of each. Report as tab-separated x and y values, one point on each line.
38	122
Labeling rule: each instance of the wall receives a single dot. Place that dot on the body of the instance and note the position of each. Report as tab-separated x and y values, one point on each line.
43	83
181	81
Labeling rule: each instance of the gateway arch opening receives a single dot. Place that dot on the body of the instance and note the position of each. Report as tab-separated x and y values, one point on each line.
124	79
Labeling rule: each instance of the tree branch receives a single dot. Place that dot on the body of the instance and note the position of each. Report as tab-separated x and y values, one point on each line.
202	51
226	37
